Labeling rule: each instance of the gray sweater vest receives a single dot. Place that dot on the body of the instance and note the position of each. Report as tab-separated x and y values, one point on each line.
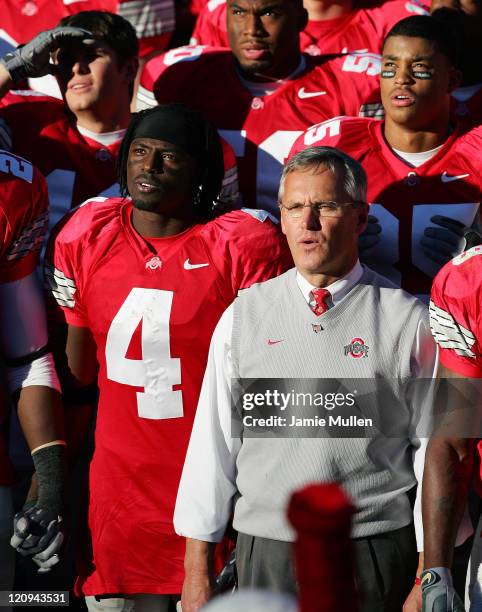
376	472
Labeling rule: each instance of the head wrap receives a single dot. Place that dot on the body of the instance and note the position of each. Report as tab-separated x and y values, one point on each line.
171	125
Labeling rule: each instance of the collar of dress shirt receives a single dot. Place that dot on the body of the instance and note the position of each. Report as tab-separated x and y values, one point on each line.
338	290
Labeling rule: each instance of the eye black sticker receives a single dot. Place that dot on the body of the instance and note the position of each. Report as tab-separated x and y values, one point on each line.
422	74
417	74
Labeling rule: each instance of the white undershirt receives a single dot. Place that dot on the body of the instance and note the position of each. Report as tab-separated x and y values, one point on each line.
267	88
417	159
105	138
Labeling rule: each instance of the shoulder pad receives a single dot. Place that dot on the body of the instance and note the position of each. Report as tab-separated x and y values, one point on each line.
467	255
342	132
87	218
214	4
188	53
360	62
260	215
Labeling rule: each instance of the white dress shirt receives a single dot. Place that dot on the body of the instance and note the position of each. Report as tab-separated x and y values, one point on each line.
338	290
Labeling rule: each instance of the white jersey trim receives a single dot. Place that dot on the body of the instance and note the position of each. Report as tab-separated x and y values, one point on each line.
149	17
449	334
145	99
31	238
60	286
260	215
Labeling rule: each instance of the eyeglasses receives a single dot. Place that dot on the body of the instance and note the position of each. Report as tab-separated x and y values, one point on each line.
322	209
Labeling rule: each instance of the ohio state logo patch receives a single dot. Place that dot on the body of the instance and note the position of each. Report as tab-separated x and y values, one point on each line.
357	348
154	263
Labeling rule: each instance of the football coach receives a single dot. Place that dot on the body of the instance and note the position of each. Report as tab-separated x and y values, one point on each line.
327	318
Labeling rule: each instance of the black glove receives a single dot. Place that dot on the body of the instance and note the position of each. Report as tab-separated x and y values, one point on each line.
38	534
438	593
227	579
370	237
443	243
32	59
38	528
472	239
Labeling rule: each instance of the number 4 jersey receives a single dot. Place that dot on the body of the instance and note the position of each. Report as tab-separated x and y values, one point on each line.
403	197
152	311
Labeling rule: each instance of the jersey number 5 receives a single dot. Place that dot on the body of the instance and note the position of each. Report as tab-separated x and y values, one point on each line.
157	371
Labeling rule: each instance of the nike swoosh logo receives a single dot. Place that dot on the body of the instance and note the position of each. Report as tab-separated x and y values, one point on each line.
309	94
426	578
446	178
270	342
67	2
190	266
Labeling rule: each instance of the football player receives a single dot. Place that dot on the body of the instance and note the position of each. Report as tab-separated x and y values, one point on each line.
141	281
333	27
449	465
30	372
424	173
153	20
262	92
73	143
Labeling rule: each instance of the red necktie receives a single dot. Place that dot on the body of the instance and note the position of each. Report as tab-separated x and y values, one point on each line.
318	301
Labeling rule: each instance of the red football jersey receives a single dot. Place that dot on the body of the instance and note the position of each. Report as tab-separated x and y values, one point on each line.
456	322
23	222
152	326
403	197
75	166
455	313
363	29
23	216
261	130
153	20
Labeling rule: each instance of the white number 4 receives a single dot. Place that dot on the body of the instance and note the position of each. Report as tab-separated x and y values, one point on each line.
157	371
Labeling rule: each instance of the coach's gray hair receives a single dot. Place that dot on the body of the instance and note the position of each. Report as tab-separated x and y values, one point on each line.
354	176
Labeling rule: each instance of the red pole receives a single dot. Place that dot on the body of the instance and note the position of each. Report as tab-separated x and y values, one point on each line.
321	514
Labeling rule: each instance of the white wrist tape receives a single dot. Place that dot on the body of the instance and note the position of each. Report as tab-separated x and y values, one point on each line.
47	444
